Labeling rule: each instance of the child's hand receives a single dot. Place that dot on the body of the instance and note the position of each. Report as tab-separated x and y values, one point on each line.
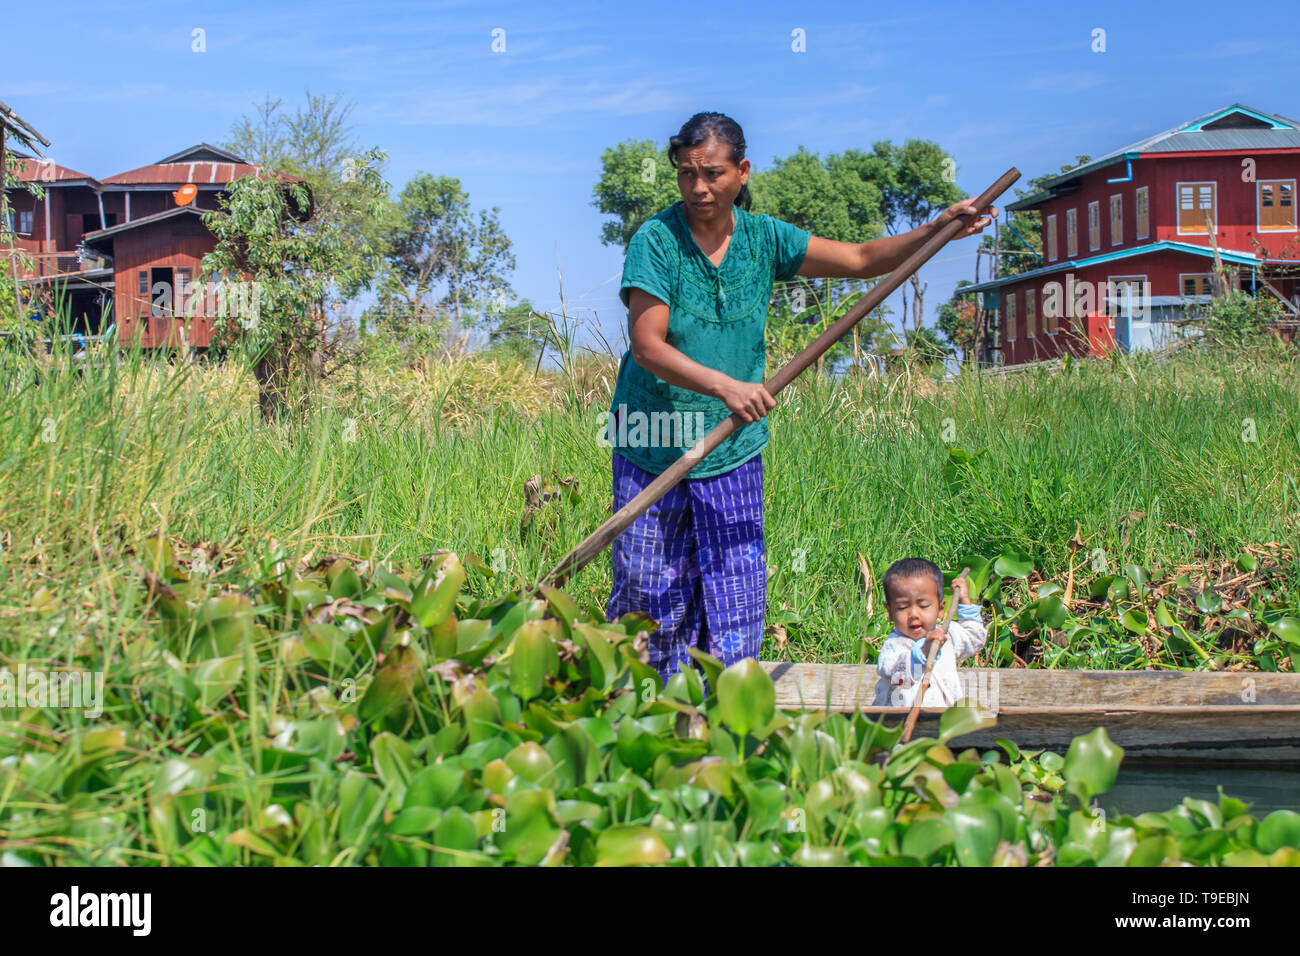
961	588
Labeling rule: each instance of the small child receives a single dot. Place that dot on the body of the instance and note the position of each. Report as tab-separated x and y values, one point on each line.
914	596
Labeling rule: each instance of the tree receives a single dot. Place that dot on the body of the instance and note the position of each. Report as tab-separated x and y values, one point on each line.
917	182
316	143
636	182
286	271
520	333
959	321
1014	258
832	200
436	242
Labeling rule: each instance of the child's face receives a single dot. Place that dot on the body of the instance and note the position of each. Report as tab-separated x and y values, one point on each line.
914	606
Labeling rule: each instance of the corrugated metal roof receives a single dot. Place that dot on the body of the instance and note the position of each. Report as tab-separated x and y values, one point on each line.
48	171
1229	255
1189	137
178	174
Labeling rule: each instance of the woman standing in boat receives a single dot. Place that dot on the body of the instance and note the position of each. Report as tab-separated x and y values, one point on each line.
697	281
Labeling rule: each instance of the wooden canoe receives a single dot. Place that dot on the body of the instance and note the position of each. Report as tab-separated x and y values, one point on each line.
1230	717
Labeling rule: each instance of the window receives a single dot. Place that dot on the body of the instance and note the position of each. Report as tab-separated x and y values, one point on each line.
1143	213
1094	226
1194	201
1116	220
1125	296
1049	241
1071	233
1195	283
1276	205
1011	316
142	282
1031	320
25	222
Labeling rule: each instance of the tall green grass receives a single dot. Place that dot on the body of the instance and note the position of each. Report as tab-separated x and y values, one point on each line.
1156	460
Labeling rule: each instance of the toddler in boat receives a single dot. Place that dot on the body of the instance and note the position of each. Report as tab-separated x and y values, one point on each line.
914	598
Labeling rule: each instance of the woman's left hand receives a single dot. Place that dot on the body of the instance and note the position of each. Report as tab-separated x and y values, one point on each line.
967	207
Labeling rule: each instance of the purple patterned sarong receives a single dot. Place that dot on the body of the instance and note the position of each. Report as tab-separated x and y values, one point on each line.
695	562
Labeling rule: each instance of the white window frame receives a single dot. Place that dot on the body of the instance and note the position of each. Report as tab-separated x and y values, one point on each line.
1009	303
1145	193
1072	219
1094	210
1111	209
1049	241
1031	315
1110	281
30	216
1259	208
1178	207
1193	275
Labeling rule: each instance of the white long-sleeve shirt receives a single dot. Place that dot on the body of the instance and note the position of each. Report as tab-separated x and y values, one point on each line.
898	677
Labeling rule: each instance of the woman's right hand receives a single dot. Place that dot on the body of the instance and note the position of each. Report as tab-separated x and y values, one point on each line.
750	400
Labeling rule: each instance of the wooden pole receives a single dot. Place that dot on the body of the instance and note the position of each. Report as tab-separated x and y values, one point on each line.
598	540
910	724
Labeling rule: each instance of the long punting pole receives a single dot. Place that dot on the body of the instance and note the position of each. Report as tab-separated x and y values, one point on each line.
600	539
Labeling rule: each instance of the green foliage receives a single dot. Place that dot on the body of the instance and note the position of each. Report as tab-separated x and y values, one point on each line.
285	272
434	242
1015	258
377	714
636	182
1237	319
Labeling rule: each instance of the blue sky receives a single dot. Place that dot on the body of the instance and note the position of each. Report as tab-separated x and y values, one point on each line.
114	86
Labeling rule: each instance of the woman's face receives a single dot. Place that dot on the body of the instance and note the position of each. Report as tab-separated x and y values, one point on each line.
709	181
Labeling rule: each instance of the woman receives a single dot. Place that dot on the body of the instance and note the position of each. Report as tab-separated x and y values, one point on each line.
697	281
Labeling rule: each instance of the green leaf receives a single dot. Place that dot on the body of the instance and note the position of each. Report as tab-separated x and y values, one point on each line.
357	798
926	837
978	831
712	666
1092	763
746	697
959	774
1287	628
531	827
1013	564
1134	620
435	597
1280	828
627	845
394	762
533	657
963	719
1051	611
455	832
217	677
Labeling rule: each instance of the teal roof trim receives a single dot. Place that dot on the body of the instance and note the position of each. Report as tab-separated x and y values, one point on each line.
1168	245
1274	121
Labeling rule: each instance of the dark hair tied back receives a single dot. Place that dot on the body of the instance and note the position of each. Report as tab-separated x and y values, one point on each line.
702	127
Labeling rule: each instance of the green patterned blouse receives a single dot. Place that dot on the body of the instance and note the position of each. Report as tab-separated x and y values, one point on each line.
716	316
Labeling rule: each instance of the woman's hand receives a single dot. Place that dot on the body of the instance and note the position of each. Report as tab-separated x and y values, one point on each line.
963	208
750	400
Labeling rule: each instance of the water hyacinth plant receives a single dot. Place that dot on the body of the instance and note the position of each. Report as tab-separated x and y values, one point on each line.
345	714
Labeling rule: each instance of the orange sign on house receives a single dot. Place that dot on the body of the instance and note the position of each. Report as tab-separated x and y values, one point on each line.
185	195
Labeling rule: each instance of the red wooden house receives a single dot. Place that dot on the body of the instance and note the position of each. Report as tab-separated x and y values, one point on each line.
1126	246
127	248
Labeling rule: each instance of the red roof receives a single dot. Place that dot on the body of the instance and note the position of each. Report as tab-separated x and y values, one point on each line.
46	171
178	174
